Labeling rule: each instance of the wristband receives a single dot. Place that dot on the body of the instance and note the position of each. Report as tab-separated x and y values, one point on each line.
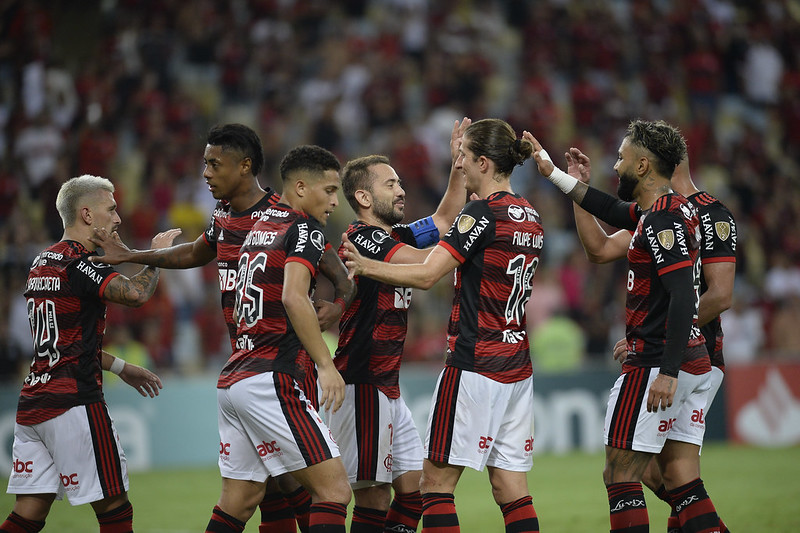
117	366
341	303
560	179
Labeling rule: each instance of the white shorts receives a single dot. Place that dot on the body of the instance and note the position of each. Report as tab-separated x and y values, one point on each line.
76	454
376	436
476	422
267	427
629	426
716	378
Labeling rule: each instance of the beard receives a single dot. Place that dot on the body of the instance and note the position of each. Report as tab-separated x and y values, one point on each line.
387	213
627	184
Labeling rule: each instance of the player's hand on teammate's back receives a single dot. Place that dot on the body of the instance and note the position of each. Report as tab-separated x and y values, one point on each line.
332	385
144	381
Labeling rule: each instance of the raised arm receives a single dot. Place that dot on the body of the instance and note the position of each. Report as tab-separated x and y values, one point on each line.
418	275
455	196
296	280
136	290
600	247
185	255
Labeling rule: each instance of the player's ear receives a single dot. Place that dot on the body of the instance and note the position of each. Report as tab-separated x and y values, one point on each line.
246	166
364	198
300	188
85	213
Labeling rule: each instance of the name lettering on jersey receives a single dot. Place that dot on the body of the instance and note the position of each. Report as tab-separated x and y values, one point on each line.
260	238
476	232
651	239
90	272
220	213
681	235
44	283
302	237
244	342
513	337
32	379
530	240
367	244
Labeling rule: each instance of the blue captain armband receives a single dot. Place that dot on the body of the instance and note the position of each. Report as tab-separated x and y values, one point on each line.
425	232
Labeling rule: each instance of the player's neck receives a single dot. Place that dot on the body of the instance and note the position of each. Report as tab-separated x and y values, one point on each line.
651	190
73	234
247	199
492	186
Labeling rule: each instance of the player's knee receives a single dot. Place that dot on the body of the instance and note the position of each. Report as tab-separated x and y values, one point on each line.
375	497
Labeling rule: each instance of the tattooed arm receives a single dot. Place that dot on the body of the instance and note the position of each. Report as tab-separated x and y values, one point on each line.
185	255
137	289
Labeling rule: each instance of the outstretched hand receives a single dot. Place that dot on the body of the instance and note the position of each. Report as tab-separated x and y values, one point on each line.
165	238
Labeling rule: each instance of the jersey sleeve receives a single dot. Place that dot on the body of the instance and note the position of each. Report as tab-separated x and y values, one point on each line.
471	231
305	243
375	243
211	234
719	235
667	241
90	279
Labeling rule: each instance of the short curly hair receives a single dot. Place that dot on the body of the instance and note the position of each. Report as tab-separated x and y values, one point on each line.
663	140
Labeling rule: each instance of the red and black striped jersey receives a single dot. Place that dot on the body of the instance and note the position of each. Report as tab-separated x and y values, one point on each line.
498	242
718	229
225	234
372	330
266	340
67	315
667	238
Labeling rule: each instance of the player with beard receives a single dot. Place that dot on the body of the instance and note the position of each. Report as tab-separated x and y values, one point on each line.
667	365
482	412
65	442
233	160
380	445
718	258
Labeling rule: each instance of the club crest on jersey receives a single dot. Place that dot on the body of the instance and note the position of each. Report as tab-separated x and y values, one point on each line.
666	238
317	239
723	230
465	223
379	236
516	213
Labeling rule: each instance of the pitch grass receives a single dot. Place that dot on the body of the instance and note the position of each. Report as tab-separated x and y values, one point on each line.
755	490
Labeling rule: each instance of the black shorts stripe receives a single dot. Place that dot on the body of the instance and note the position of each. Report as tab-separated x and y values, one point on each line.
367	421
106	452
305	431
444	414
626	411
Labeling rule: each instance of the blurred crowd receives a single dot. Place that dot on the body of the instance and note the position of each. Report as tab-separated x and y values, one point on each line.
127	89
